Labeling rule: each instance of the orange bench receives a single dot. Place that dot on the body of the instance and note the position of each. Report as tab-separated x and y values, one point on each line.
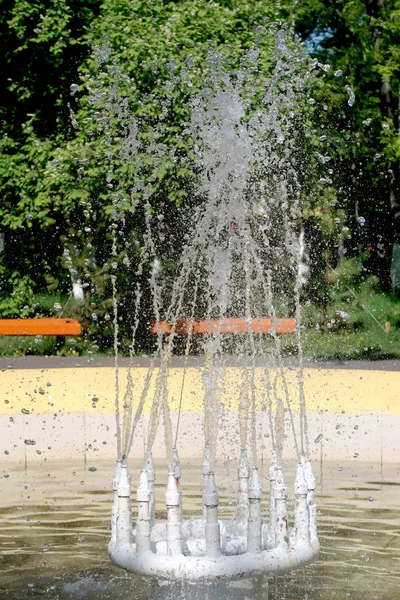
227	325
45	326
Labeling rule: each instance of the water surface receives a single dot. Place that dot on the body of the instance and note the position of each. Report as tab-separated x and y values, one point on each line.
54	528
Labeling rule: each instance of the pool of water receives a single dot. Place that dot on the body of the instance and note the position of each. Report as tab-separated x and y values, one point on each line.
54	528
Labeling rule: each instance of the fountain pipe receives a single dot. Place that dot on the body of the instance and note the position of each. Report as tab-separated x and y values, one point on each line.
212	527
243	499
151	476
254	525
177	474
124	513
301	514
114	510
272	500
206	469
143	527
312	507
281	520
173	518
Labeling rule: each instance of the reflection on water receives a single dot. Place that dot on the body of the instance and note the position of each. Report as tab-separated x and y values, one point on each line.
54	526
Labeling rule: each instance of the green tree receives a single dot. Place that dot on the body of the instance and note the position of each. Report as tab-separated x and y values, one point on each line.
41	47
360	39
61	168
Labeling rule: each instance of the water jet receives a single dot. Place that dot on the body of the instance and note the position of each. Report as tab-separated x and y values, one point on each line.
241	265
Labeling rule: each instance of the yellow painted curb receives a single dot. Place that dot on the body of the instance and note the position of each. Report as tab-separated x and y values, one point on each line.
92	390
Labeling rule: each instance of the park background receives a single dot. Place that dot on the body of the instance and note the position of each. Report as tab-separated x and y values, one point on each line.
71	72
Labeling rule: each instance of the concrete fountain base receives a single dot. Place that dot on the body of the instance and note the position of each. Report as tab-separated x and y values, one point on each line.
268	562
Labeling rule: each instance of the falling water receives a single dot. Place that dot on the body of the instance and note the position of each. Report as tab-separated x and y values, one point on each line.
241	260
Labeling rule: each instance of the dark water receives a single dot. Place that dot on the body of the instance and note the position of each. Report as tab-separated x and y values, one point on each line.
54	527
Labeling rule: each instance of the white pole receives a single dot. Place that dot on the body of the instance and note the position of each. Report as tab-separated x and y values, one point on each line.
281	521
114	510
272	499
124	513
301	515
151	476
206	468
312	507
173	520
254	527
177	474
143	528
243	499
212	529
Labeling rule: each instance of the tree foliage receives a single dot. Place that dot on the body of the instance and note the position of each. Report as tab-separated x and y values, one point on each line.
73	71
360	39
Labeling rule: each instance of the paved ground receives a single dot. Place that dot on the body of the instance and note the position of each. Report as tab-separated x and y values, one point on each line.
65	408
55	362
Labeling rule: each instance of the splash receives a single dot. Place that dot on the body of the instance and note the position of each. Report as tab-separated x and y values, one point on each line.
241	259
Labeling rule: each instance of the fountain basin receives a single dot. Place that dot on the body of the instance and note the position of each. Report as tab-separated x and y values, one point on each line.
196	568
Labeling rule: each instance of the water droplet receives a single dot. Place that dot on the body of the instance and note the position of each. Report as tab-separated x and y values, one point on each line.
338	73
370	499
29	442
367	122
351	99
385	126
318	438
6	452
311	101
356	455
38	339
25	411
74	88
82	540
92	469
57	307
366	557
324	67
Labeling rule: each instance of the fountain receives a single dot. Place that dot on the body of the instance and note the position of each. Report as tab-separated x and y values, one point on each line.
239	269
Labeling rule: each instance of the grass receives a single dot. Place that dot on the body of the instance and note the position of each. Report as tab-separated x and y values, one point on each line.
359	322
352	345
49	346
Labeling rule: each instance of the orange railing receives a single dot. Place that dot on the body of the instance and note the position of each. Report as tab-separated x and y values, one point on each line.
47	326
228	325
